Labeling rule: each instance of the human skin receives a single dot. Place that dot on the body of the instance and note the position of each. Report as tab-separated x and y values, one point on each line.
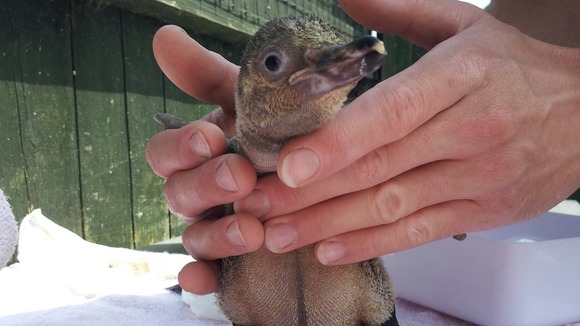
479	133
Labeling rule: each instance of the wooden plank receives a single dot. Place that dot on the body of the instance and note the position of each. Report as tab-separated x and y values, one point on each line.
202	16
103	140
41	35
231	21
12	173
144	95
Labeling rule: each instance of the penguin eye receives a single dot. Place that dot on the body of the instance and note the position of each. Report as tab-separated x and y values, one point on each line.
273	63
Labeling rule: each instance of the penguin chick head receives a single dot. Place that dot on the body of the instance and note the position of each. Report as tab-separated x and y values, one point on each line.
295	75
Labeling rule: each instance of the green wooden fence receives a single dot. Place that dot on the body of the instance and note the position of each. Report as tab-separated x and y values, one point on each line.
78	89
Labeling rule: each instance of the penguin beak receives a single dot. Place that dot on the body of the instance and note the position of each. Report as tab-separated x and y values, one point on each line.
334	67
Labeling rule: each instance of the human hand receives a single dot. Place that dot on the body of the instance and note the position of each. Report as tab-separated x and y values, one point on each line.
200	177
479	133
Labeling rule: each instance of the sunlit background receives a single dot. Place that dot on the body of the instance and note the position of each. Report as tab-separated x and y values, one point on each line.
479	3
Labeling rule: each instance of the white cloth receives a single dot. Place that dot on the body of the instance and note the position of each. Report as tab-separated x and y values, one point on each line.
61	279
8	231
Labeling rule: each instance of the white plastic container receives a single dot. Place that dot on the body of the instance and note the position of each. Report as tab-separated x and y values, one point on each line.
525	274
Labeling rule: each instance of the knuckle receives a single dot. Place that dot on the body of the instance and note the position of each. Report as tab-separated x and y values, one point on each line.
417	232
368	170
500	168
195	242
477	61
173	204
499	206
400	106
153	159
508	165
335	140
497	125
387	204
492	127
180	201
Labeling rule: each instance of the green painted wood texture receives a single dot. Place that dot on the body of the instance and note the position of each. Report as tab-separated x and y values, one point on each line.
78	89
102	122
42	170
235	21
144	85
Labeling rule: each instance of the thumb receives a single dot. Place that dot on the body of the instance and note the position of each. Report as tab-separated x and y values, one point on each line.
201	73
424	23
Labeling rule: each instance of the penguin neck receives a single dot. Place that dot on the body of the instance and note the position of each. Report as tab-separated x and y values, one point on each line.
262	152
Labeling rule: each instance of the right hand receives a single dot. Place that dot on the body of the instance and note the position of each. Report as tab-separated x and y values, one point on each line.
200	176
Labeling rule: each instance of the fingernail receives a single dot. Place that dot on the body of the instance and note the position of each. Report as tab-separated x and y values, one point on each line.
299	166
279	237
199	145
235	235
256	204
225	179
330	252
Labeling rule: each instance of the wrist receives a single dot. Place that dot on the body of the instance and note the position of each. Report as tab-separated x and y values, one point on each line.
570	98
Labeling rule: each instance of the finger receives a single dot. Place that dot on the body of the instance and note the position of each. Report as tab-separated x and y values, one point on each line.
427	225
199	277
384	114
173	150
383	204
216	182
425	23
200	73
232	235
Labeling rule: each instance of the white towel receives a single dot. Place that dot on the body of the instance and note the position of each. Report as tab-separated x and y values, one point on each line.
8	231
60	279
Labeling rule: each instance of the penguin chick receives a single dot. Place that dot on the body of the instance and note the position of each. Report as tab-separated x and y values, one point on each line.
294	77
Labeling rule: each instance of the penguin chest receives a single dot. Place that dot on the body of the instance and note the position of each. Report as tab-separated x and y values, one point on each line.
263	288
